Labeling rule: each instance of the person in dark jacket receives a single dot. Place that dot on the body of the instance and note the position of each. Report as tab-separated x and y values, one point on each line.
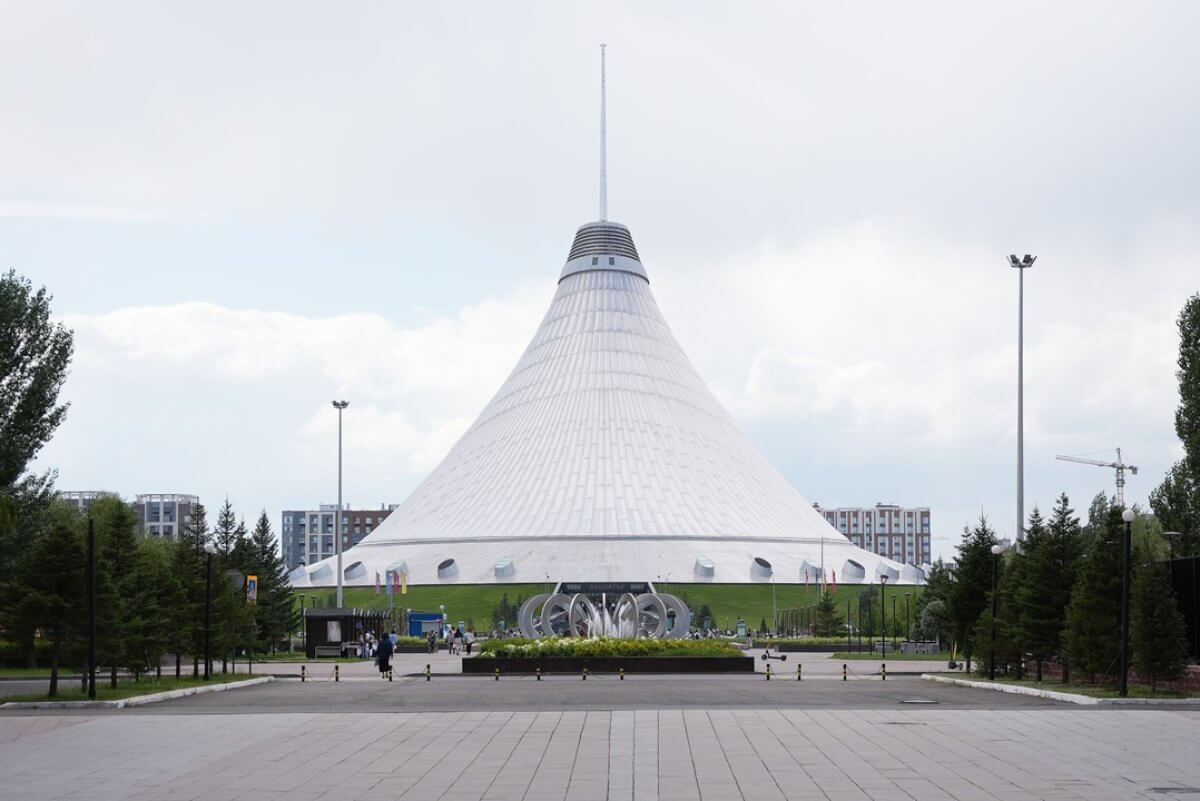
383	656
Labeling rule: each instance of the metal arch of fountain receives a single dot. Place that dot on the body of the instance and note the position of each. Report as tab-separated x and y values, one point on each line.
646	615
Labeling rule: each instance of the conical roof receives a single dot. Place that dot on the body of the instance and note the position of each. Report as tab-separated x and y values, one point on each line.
604	456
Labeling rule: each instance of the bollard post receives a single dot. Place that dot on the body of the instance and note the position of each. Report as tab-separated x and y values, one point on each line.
843	671
497	674
797	672
883	671
303	674
337	676
428	673
585	672
622	674
538	670
390	673
768	671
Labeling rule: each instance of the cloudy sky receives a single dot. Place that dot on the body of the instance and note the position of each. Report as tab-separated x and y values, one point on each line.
246	210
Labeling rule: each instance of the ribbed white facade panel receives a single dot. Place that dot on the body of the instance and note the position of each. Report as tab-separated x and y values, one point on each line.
604	456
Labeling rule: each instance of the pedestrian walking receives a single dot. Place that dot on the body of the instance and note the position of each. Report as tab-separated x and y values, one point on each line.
469	639
383	657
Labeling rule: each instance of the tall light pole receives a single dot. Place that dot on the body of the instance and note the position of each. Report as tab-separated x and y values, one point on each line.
996	550
907	619
1021	265
337	528
883	616
1126	569
209	550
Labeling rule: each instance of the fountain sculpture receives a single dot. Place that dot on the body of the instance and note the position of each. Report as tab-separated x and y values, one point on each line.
656	615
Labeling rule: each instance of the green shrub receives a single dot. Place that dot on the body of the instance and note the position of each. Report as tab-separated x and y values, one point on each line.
604	647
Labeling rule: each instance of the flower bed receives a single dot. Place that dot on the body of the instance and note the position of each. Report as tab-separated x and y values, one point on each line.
601	647
610	664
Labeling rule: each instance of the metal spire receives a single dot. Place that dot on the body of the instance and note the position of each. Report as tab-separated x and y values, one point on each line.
603	147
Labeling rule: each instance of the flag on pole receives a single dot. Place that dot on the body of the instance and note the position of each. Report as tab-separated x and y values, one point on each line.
404	583
378	585
806	578
387	581
835	581
395	580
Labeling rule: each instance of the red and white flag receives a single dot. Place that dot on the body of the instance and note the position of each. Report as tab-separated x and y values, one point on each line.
378	585
396	581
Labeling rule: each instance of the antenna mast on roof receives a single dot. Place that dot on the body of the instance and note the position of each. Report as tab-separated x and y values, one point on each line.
603	149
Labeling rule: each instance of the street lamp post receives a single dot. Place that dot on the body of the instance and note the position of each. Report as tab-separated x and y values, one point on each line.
209	550
894	626
996	551
774	613
907	619
883	616
1021	265
1126	570
849	642
91	590
337	528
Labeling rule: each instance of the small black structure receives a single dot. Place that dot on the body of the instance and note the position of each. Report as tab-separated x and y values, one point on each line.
330	632
1185	572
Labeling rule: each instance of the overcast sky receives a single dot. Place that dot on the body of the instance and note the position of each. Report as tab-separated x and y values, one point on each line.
246	210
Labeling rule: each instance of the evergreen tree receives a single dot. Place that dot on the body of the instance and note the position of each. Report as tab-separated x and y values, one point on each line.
1176	504
117	556
939	588
276	608
1043	590
225	534
972	583
1094	528
828	619
189	565
48	590
1092	631
157	595
1009	568
1157	634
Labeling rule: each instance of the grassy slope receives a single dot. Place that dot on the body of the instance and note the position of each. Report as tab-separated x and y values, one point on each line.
751	602
69	691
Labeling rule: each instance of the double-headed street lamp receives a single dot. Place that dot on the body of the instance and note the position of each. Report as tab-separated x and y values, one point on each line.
337	528
209	550
1021	265
1126	570
996	551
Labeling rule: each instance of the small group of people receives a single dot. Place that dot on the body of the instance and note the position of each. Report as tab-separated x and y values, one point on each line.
459	641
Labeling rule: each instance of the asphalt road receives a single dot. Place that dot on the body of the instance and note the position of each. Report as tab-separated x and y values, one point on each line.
366	695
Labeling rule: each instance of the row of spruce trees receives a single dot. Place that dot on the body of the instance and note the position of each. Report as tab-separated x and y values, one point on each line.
150	592
1058	598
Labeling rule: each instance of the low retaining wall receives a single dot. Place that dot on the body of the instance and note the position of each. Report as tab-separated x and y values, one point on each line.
613	664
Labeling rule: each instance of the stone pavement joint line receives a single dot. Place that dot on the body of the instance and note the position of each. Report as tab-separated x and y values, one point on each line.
661	755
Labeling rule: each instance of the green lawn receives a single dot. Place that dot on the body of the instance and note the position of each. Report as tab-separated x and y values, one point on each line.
728	602
1135	690
36	673
126	688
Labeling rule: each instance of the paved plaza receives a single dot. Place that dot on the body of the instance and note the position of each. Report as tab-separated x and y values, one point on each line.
760	754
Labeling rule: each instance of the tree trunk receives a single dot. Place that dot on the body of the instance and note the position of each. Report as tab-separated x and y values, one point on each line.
54	666
195	667
158	671
177	666
112	677
1039	669
1066	671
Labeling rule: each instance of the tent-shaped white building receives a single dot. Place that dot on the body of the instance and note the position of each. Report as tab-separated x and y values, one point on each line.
604	457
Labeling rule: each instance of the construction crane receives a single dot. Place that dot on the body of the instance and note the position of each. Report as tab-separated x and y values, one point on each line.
1118	465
